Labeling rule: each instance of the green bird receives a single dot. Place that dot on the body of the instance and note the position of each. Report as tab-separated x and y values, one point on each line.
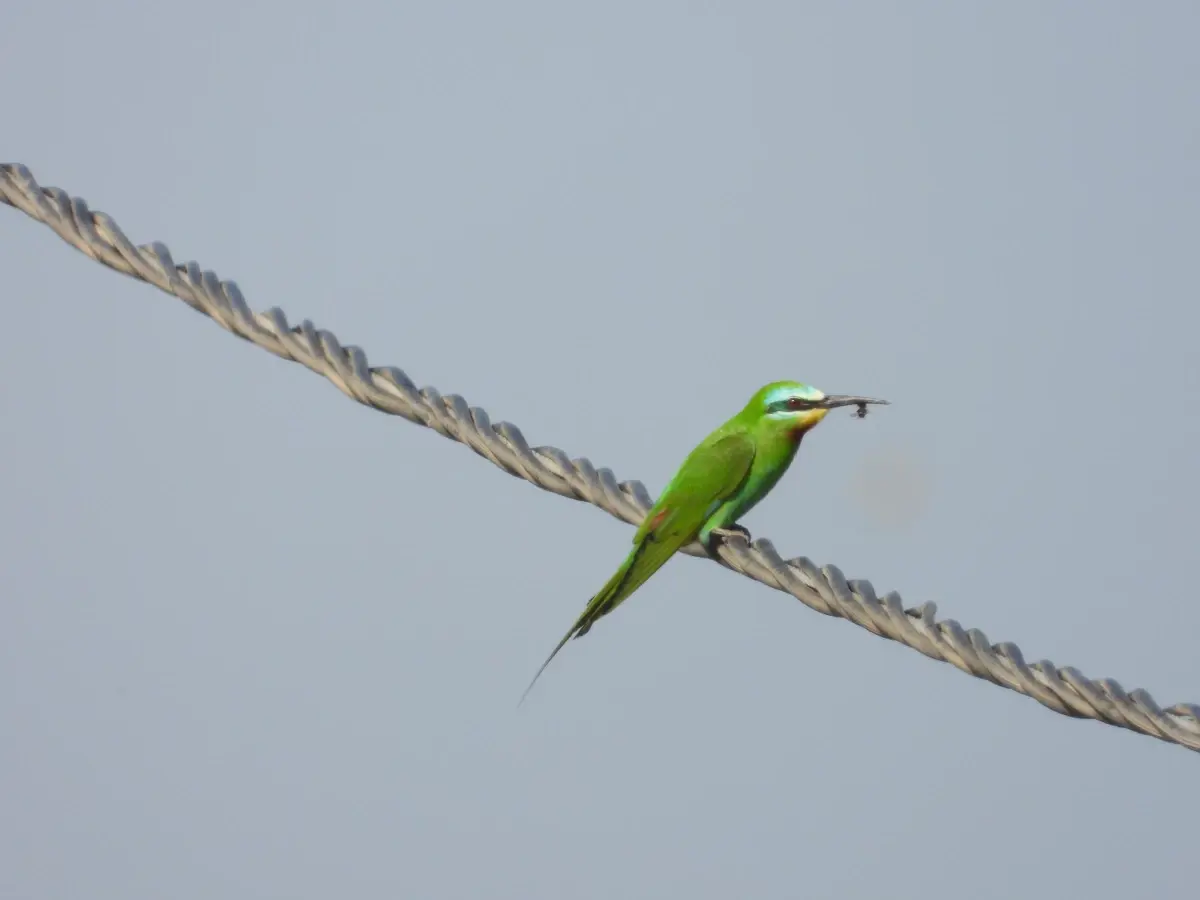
720	481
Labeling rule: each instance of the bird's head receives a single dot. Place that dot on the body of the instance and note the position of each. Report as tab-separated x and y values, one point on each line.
797	408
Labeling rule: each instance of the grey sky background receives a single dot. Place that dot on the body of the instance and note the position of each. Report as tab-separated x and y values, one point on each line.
258	641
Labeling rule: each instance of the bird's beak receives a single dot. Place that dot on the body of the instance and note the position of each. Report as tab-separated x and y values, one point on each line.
832	401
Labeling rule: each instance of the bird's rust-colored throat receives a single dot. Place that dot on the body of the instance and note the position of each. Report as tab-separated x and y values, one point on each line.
796	435
799	431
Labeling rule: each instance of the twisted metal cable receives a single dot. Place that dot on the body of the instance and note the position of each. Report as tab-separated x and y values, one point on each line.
825	589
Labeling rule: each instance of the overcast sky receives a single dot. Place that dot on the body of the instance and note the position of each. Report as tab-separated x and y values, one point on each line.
258	641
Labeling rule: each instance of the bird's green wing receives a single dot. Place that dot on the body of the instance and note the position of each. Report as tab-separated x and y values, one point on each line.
711	474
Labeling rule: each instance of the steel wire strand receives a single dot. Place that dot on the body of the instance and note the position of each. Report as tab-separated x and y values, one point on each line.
386	388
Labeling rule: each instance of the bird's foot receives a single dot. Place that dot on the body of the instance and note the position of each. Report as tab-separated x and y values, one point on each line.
718	536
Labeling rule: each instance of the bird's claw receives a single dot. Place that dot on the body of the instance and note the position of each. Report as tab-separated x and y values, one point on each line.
718	536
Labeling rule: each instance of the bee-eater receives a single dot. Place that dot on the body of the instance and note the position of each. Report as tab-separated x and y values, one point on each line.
720	481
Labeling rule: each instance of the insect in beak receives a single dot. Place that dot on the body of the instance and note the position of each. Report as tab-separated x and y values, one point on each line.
832	401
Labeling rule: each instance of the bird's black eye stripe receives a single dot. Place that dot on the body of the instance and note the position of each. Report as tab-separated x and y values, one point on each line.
791	404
